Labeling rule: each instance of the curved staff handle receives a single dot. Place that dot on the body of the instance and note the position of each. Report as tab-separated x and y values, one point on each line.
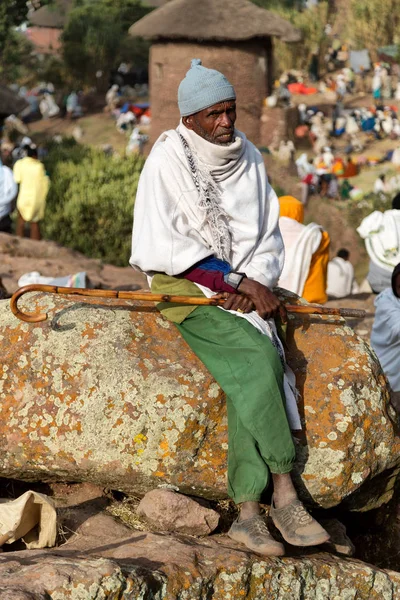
68	291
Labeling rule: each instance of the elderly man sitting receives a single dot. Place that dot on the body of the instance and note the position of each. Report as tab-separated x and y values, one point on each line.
206	223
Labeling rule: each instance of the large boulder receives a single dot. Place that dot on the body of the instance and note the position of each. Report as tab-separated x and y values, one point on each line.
113	395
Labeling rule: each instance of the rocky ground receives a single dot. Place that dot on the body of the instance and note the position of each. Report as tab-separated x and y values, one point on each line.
99	557
19	256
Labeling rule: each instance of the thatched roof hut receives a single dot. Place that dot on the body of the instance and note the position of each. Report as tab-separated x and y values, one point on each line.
53	16
234	37
213	20
10	103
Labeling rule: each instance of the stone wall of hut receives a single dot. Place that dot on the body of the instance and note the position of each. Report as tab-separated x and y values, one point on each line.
244	64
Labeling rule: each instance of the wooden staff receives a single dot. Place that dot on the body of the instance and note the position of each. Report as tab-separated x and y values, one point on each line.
308	309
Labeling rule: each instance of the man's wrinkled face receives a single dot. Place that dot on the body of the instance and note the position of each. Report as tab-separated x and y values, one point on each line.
215	124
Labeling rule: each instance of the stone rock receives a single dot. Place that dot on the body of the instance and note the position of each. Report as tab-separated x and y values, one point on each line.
104	562
339	540
169	511
61	578
112	395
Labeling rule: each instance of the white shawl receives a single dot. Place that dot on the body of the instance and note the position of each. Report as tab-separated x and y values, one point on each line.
301	241
170	233
385	336
381	232
340	278
8	190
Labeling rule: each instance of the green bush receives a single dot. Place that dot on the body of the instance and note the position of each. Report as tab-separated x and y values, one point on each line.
90	202
357	210
311	23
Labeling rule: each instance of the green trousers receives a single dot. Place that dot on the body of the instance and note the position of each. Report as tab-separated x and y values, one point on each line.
248	369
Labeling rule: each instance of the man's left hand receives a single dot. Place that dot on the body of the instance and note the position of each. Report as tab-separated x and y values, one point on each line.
238	302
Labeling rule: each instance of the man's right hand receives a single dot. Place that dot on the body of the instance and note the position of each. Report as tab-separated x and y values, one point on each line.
266	303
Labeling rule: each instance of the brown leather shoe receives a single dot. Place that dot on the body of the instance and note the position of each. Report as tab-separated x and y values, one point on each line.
254	534
297	526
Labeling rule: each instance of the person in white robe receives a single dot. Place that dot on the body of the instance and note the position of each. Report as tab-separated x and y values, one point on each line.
381	232
385	335
8	193
341	281
206	223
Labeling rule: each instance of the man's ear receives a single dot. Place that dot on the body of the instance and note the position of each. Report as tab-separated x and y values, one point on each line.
188	122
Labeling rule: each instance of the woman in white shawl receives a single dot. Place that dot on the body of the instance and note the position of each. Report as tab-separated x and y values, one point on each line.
385	336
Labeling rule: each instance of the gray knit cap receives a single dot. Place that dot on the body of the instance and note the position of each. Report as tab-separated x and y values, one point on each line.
202	88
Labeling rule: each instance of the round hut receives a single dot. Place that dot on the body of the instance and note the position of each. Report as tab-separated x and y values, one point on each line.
234	37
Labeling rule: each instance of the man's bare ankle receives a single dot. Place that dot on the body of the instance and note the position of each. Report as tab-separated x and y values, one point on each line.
282	500
284	490
248	510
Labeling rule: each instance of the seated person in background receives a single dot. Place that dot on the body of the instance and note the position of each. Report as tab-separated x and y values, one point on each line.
380	186
381	232
8	192
341	280
333	188
385	336
351	169
306	253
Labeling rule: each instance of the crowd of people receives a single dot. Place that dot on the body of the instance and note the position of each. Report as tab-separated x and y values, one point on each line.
45	102
132	118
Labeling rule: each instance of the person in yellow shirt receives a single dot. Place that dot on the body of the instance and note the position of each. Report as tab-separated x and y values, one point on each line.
34	184
306	253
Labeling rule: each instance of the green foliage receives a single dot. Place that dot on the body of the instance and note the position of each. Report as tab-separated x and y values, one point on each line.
91	198
373	23
50	68
96	37
311	23
359	209
12	14
17	61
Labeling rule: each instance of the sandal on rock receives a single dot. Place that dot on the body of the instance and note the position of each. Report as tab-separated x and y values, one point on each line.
254	534
297	526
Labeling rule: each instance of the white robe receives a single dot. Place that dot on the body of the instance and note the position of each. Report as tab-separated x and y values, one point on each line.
301	241
381	232
340	278
385	336
8	190
170	234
